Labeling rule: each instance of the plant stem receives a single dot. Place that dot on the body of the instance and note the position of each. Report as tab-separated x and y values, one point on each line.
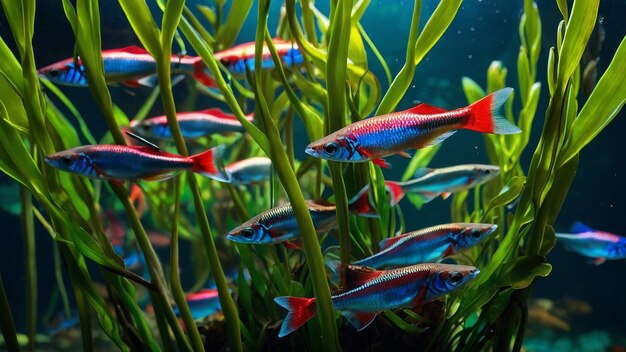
287	176
228	305
84	319
6	321
177	289
154	265
229	308
336	75
28	231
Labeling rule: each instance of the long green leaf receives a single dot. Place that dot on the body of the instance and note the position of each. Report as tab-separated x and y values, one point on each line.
600	108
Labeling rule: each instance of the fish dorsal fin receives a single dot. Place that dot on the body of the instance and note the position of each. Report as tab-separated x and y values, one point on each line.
388	242
219	113
426	109
132	49
320	202
143	141
360	320
356	275
422	171
579	227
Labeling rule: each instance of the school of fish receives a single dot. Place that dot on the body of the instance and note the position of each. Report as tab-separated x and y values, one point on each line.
406	272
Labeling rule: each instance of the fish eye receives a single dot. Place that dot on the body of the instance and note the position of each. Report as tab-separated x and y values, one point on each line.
475	234
53	72
487	172
225	62
331	148
455	277
66	160
248	232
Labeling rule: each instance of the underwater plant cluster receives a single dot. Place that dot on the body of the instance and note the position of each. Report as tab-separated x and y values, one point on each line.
271	219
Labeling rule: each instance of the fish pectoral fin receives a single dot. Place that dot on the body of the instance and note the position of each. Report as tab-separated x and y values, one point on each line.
418	301
291	245
445	195
449	251
598	261
382	163
405	154
360	320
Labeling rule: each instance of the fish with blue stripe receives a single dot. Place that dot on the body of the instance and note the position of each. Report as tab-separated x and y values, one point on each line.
193	124
240	58
122	162
599	245
131	66
419	127
369	292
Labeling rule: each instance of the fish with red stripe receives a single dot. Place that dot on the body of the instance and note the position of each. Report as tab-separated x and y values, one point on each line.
251	171
588	242
121	162
131	66
369	292
193	124
240	58
429	183
419	127
427	245
279	225
202	304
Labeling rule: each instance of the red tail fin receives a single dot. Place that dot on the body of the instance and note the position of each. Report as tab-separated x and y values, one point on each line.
300	311
395	190
201	75
484	114
360	204
210	164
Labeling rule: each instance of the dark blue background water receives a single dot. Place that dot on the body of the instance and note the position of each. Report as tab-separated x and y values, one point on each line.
483	31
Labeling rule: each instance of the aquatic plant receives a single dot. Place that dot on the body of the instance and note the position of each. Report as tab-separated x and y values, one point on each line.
334	87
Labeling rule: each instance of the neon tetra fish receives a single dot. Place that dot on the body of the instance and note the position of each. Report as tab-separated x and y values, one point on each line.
240	57
419	127
193	124
592	243
131	66
430	183
427	244
279	224
250	171
121	162
202	303
369	292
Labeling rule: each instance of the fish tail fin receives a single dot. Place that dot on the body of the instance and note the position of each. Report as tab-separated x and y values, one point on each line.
484	115
201	75
396	191
360	204
300	311
210	164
